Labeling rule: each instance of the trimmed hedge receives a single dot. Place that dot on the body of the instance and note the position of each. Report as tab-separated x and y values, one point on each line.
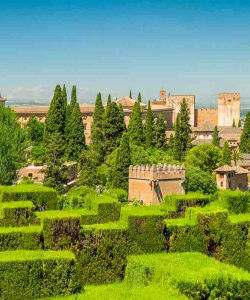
19	213
37	274
17	238
237	201
195	274
42	197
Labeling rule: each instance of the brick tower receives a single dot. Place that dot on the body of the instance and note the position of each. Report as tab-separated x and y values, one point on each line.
163	96
150	184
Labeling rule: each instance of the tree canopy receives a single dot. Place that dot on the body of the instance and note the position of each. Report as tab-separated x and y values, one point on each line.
245	136
135	127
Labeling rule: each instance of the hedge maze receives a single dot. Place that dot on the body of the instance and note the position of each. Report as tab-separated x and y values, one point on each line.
191	247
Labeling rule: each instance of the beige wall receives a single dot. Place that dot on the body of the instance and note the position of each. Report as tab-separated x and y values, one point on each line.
228	108
231	181
206	114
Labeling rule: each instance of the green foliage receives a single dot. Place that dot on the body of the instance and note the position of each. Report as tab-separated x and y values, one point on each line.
216	139
237	201
97	129
139	97
36	274
177	148
160	127
226	155
245	136
12	145
113	127
205	157
171	144
182	132
119	173
76	195
198	180
76	136
239	123
42	197
233	125
149	127
88	166
119	194
35	130
130	94
38	153
73	100
135	128
156	156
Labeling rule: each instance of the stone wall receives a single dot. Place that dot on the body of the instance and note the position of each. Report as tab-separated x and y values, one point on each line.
174	101
228	108
150	184
206	114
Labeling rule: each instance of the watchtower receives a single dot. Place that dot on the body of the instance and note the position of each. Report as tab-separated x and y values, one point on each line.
150	184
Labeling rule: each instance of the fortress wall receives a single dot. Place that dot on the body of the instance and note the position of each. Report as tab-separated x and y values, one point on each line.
174	101
206	114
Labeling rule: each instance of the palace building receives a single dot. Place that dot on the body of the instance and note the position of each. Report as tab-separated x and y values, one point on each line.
168	106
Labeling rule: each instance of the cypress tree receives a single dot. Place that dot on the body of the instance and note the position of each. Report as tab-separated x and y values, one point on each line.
109	100
216	139
97	128
123	124
149	127
177	153
113	127
239	123
64	96
56	120
160	128
185	129
245	136
73	99
120	172
130	94
139	97
234	125
135	127
226	155
76	136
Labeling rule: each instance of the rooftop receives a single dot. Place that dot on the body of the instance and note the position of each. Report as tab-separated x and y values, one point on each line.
226	168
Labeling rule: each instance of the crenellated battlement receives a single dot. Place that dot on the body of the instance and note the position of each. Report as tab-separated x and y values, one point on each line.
157	172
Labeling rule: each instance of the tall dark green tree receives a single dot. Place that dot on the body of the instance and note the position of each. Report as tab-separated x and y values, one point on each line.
234	125
245	136
109	100
76	136
12	145
64	95
120	172
216	139
122	121
160	127
113	127
177	153
55	121
239	123
149	131
139	97
226	155
185	129
73	99
55	142
135	127
97	128
130	94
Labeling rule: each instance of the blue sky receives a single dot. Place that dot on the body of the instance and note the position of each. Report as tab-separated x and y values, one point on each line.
200	47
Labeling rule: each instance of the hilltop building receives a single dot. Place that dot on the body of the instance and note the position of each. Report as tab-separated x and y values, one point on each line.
201	120
2	100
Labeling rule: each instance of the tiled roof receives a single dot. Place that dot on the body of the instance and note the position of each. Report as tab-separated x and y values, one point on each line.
197	142
127	102
237	169
230	130
205	126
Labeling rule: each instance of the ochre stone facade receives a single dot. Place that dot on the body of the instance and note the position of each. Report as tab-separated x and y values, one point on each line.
228	108
150	184
206	114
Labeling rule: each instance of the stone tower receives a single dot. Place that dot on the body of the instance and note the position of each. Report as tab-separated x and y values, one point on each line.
163	95
228	109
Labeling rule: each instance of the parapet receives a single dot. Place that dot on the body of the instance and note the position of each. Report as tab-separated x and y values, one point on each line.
157	172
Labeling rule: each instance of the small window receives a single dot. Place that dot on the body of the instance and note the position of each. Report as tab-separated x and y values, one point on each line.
221	184
30	175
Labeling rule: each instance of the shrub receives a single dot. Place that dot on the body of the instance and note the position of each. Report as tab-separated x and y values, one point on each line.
237	201
119	194
198	180
76	195
42	197
37	274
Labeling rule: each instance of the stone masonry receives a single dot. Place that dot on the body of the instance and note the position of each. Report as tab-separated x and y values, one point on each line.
150	184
